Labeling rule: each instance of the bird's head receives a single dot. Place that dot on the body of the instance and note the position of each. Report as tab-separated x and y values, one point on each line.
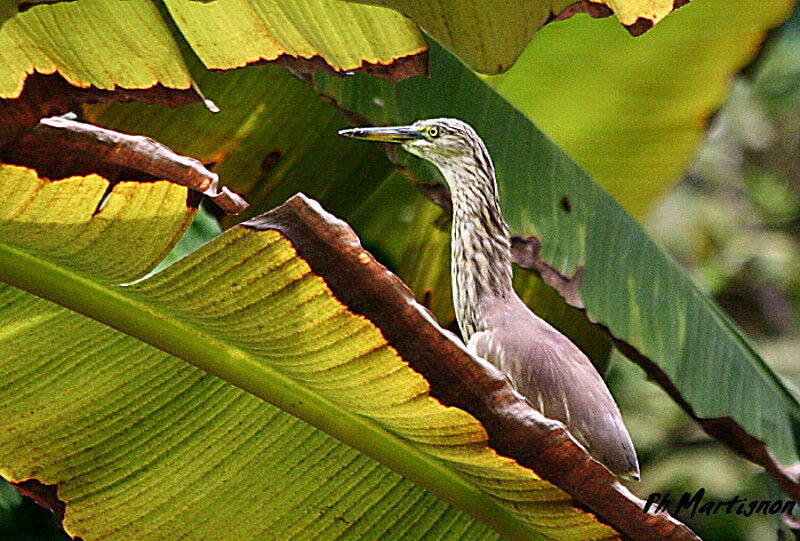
443	141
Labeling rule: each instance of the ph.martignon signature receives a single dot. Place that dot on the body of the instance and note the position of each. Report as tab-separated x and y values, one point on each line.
695	504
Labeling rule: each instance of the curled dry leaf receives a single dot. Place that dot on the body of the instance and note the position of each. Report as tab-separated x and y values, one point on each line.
46	95
58	147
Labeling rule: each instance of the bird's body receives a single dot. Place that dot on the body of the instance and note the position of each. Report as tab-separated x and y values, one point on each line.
543	364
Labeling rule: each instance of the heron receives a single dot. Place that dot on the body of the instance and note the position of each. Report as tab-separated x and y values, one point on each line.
543	365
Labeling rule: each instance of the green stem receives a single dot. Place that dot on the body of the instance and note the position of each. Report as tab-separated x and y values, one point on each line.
110	306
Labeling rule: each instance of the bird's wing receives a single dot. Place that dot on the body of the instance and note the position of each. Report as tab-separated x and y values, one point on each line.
558	380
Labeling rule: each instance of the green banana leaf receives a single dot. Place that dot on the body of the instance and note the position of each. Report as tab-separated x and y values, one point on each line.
137	54
41	77
488	36
632	112
308	35
132	409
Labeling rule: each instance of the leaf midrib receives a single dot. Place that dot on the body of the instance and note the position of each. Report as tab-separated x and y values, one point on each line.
109	306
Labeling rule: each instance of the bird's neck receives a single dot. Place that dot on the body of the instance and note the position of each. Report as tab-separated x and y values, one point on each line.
480	249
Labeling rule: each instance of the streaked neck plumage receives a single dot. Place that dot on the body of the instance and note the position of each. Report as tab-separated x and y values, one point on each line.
480	246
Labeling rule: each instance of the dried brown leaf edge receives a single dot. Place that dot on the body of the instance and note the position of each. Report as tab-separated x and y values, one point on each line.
601	8
456	377
58	148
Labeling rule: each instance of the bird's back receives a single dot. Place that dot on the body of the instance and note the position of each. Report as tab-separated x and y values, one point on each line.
558	380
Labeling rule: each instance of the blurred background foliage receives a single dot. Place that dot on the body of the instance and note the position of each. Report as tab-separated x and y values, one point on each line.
733	221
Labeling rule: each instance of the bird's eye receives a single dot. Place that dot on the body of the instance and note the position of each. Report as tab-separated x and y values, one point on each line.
433	131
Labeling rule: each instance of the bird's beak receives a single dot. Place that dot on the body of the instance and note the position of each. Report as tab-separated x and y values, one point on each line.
392	134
